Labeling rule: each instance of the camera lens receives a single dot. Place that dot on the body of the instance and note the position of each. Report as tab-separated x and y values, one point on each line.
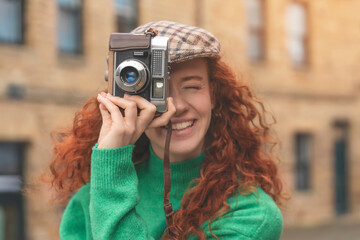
130	74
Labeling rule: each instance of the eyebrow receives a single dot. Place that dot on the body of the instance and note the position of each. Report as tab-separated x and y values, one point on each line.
191	77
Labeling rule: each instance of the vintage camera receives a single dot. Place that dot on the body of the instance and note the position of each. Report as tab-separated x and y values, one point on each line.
138	64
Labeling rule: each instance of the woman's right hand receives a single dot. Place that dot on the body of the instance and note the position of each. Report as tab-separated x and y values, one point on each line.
118	130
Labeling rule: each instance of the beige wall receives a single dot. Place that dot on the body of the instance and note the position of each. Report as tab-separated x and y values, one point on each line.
56	85
308	99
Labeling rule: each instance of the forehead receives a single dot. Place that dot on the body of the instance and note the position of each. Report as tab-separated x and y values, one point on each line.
196	66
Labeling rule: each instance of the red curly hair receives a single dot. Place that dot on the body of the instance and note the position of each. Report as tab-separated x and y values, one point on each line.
238	146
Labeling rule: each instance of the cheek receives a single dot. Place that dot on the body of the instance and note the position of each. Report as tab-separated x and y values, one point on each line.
203	105
205	102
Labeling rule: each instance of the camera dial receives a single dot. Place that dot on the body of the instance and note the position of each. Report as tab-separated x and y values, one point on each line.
131	75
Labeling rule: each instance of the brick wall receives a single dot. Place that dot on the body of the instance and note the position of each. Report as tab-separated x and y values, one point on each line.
308	99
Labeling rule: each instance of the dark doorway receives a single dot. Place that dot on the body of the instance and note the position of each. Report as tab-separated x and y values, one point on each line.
341	166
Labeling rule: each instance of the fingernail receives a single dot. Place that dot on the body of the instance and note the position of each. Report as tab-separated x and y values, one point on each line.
99	95
108	95
103	94
126	95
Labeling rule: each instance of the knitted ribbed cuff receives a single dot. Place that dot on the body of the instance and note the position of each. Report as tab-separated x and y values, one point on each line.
111	167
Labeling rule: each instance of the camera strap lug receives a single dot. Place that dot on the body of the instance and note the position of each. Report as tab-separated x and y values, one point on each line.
151	31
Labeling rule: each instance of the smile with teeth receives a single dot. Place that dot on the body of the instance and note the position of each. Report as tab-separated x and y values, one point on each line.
182	125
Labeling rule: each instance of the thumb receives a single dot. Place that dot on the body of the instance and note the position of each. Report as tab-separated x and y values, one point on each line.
165	117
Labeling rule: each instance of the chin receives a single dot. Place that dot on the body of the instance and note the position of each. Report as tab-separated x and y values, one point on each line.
185	149
184	144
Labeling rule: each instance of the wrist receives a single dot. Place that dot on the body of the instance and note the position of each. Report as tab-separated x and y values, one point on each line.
111	145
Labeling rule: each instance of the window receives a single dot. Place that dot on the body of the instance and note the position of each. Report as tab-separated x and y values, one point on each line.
341	128
255	20
297	33
303	151
126	15
11	21
11	201
69	26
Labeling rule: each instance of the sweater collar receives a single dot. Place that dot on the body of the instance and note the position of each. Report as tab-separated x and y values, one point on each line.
182	173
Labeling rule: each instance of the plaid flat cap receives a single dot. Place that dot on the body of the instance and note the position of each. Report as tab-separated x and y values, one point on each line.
186	42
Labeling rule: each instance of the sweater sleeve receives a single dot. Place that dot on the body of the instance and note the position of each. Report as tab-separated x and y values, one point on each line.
252	217
75	223
114	195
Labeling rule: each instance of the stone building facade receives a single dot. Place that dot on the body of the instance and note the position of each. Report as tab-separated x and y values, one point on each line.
308	76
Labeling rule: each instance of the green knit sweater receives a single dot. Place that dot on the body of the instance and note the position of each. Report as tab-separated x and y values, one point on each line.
126	202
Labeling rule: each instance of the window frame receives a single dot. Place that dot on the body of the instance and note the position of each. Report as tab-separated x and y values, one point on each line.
305	41
259	32
21	39
133	20
80	41
303	169
9	197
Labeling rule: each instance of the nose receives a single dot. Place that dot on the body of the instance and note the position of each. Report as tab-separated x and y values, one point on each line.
180	103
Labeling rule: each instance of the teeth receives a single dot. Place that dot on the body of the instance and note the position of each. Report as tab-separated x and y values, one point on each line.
182	125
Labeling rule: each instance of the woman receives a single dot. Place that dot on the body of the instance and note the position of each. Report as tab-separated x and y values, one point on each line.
224	185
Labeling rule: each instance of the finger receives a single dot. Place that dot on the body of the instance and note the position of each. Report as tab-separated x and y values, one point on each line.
165	117
106	117
114	110
147	110
129	106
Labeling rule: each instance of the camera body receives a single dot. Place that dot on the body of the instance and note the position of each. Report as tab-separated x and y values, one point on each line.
138	64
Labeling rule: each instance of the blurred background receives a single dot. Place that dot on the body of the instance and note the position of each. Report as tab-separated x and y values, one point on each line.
301	56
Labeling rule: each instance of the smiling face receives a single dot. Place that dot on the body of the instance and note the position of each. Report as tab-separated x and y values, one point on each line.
189	87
